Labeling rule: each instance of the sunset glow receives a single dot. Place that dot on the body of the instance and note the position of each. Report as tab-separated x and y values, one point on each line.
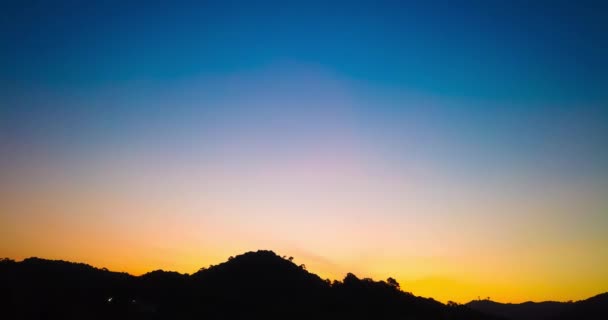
455	150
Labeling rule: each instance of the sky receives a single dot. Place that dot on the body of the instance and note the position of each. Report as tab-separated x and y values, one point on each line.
460	147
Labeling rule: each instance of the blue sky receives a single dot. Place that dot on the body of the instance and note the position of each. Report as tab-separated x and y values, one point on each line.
501	50
544	58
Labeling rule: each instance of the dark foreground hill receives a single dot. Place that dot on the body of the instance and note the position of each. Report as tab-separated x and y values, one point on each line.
592	308
255	285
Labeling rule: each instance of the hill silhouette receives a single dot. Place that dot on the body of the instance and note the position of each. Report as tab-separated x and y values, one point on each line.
593	308
252	285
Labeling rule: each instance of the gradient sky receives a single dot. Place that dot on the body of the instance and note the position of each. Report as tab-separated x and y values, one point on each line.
461	148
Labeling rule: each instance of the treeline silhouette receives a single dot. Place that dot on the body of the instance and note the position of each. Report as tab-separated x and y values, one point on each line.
254	285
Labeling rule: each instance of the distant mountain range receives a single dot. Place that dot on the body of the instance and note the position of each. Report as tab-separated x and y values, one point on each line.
592	308
254	285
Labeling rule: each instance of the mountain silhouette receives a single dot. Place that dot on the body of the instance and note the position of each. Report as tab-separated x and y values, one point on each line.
592	308
254	285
